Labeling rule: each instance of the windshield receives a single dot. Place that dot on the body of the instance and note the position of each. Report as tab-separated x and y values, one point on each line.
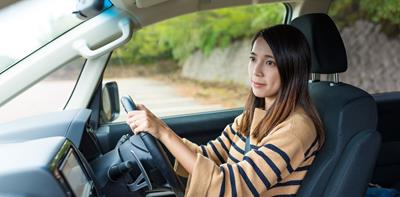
30	24
49	95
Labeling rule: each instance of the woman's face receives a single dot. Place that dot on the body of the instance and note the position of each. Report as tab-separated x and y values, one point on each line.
263	72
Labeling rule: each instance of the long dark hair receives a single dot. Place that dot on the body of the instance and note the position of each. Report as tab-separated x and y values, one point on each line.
292	56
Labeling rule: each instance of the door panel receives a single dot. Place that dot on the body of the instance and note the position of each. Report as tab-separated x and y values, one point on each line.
387	168
198	128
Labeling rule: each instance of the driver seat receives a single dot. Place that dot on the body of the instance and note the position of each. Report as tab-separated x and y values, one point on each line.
344	165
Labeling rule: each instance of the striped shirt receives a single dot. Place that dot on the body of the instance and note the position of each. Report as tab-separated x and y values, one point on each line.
275	166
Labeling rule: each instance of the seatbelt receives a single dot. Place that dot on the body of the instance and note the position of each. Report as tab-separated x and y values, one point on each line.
247	147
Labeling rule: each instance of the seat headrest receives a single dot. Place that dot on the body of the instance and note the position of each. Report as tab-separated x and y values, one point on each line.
327	48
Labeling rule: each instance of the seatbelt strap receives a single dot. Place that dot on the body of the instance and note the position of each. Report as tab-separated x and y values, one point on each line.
247	147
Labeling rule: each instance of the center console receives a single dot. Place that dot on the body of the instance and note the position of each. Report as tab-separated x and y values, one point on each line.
72	173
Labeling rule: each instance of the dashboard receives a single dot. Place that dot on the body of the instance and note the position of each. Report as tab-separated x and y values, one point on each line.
52	163
59	154
71	173
44	153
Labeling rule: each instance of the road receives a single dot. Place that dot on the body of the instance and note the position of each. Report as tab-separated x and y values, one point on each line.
160	98
49	96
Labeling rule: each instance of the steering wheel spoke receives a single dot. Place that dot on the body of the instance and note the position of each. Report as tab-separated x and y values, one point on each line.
160	158
142	180
139	183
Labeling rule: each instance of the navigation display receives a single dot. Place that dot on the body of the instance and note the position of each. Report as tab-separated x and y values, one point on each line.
75	176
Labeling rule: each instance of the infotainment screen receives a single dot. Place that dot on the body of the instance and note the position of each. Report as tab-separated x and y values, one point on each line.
74	175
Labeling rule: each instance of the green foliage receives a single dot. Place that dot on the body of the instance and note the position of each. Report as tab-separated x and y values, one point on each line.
385	12
179	37
143	48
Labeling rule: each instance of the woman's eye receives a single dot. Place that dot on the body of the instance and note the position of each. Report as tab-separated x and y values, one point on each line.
269	63
252	59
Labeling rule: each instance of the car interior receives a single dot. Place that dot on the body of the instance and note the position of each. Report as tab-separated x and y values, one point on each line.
349	116
74	153
386	169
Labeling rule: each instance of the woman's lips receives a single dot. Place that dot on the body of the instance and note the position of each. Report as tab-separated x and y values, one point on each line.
257	85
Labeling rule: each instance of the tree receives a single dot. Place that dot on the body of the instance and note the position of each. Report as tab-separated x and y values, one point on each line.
385	12
179	37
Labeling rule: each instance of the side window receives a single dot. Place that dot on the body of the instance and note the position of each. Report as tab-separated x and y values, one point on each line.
191	63
370	31
49	95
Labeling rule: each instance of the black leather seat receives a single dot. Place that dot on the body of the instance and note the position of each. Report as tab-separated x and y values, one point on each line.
343	167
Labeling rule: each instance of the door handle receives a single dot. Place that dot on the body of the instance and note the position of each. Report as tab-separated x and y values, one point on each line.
84	50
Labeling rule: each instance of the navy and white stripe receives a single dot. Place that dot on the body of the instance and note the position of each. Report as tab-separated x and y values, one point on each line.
282	154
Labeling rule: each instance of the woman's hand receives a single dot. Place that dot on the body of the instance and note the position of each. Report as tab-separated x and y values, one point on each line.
144	120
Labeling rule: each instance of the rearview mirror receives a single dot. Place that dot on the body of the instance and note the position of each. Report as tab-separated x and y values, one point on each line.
110	102
88	8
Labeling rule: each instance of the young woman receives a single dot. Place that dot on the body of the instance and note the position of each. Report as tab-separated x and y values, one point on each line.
279	123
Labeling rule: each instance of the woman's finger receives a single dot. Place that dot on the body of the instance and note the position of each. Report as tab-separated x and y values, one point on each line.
129	121
142	123
141	120
133	126
134	113
136	117
140	129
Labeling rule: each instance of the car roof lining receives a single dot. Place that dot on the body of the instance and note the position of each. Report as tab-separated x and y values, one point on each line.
146	16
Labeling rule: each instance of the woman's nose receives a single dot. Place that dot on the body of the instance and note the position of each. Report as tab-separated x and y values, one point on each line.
257	70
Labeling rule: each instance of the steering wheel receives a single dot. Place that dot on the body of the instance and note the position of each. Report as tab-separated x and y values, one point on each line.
159	157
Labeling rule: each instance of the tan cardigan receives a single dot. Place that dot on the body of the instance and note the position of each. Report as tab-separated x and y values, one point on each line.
274	166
